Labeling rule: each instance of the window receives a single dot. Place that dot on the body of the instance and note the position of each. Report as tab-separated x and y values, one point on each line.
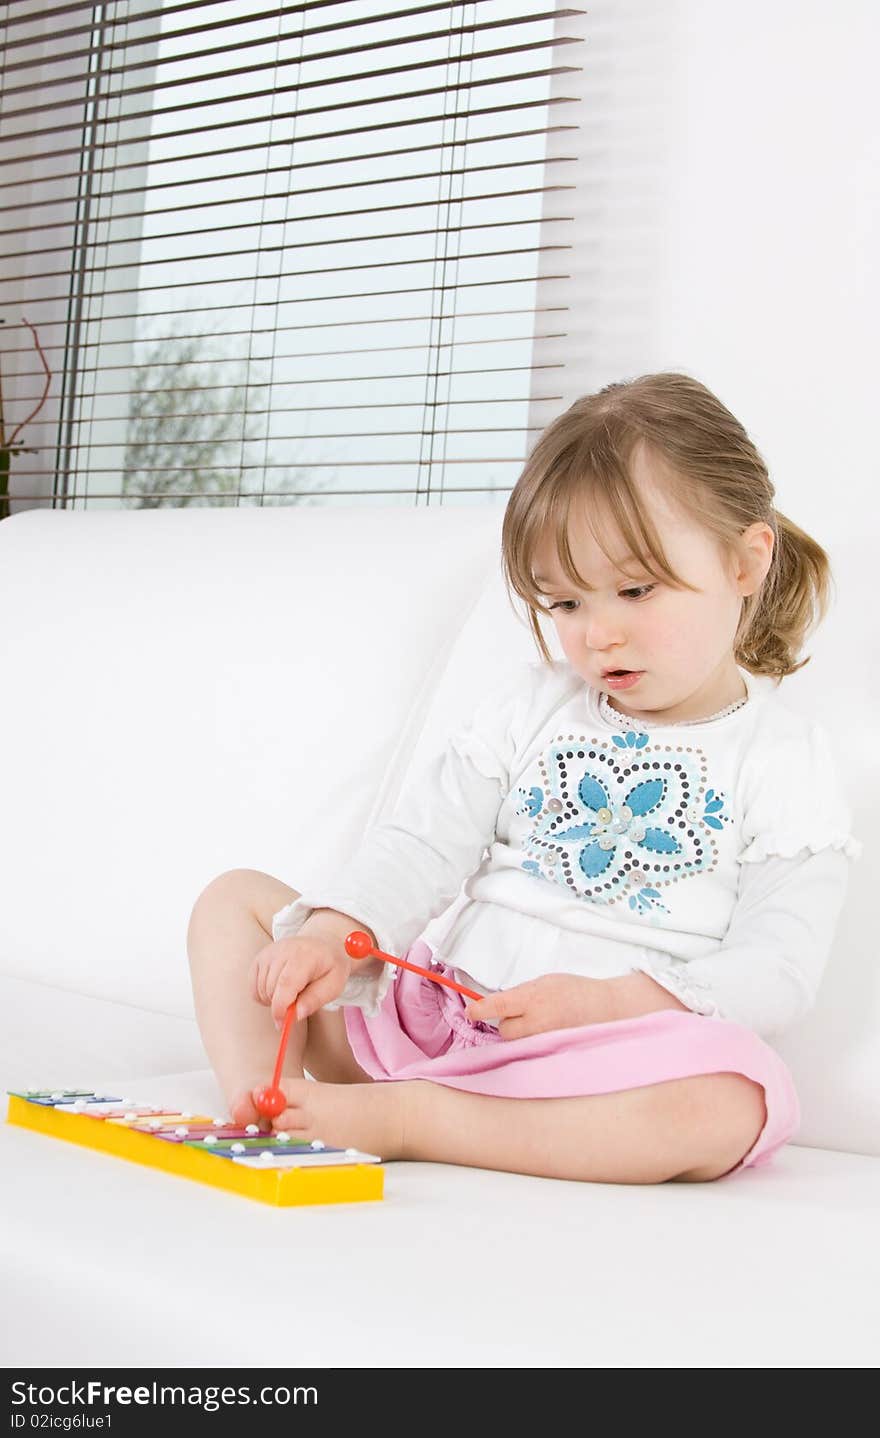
298	255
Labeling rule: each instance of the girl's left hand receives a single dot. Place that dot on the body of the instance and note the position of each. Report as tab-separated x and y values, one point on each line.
554	1001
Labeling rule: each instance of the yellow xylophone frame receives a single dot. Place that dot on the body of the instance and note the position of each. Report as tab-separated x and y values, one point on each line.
286	1188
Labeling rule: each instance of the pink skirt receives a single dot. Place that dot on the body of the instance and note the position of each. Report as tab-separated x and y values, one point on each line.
421	1032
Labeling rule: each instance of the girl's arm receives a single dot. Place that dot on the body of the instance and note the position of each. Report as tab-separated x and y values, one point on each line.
637	993
412	865
793	874
767	972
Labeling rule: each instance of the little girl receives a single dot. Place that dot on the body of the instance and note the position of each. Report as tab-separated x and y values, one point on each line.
655	848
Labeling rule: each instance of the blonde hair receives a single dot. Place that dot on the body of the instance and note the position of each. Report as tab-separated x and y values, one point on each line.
719	477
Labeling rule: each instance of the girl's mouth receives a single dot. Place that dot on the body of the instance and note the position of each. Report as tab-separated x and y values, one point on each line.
622	678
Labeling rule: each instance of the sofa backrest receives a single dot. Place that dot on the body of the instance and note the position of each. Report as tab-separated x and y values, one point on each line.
188	691
192	690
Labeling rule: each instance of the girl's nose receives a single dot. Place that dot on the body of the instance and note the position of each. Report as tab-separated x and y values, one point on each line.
601	632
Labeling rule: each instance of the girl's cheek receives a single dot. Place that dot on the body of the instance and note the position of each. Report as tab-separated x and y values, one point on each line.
666	633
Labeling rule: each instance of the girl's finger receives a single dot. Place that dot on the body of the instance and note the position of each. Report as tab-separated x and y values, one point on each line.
258	976
282	999
260	984
315	995
279	976
493	1006
483	1010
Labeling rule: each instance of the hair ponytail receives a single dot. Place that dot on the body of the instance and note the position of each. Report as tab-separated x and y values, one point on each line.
792	600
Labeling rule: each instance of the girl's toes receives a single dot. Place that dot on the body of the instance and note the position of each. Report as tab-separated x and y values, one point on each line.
242	1109
292	1120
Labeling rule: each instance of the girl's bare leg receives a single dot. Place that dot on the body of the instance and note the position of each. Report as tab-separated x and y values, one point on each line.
230	923
692	1129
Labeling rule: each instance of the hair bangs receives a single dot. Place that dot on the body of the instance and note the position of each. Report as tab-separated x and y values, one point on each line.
596	490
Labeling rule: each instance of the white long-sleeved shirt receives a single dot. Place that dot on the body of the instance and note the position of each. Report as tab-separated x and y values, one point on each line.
555	835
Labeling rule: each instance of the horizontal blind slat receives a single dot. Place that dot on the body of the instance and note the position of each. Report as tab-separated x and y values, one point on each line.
261	222
106	170
191	6
363	294
134	367
340	408
303	434
276	493
128	67
340	379
275	329
99	146
312	244
361	102
245	468
454	172
74	7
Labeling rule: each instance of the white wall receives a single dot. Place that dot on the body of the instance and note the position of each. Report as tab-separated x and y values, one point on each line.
726	224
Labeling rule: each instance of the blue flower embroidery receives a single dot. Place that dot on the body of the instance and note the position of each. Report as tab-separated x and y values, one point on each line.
630	740
534	801
712	814
624	816
646	900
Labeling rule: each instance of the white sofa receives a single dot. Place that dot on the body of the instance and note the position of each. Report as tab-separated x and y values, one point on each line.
194	690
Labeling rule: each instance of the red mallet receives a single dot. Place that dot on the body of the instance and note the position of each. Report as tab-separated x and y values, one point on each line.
270	1101
358	946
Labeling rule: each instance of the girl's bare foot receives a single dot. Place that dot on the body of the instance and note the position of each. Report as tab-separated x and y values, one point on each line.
242	1107
367	1116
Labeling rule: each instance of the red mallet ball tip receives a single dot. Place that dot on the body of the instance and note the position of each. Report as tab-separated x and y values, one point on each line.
270	1102
358	945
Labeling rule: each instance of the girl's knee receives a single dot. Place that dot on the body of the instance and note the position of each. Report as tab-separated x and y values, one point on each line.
250	889
741	1110
731	1112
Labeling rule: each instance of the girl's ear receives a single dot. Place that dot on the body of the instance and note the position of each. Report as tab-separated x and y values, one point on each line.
753	557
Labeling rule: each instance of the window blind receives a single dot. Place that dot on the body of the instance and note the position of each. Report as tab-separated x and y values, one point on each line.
297	254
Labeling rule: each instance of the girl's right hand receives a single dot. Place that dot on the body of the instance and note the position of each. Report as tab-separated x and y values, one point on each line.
309	970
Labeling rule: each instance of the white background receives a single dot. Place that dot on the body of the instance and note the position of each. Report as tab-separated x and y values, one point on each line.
727	208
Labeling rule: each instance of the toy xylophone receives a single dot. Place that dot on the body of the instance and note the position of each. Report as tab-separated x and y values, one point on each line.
272	1167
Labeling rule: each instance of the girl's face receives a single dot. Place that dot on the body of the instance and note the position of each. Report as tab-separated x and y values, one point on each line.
676	645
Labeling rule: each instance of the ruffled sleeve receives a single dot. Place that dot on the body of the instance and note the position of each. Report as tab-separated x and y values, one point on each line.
794	799
365	988
767	973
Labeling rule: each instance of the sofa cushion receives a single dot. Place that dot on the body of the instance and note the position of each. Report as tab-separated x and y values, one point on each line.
111	1264
52	1036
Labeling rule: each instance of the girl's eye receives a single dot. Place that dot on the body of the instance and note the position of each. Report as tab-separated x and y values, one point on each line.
640	591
